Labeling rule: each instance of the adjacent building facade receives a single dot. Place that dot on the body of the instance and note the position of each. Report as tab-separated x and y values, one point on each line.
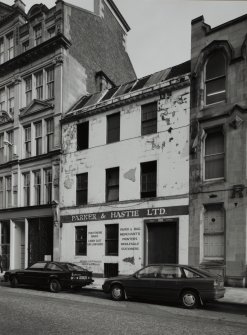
125	175
47	62
218	202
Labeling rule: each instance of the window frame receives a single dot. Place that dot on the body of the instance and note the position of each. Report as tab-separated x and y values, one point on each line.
49	135
214	79
2	50
8	191
48	182
83	190
112	128
39	85
211	130
38	138
111	239
82	241
28	141
2	98
37	187
37	34
10	45
108	187
148	175
28	89
50	82
83	141
26	188
145	120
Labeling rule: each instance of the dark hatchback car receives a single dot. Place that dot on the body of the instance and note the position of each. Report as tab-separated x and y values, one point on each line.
187	285
55	275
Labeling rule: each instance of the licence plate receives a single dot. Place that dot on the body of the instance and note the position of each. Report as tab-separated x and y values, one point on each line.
82	277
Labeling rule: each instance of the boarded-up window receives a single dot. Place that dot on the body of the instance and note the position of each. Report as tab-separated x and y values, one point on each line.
214	236
81	240
148	179
214	154
81	188
82	135
149	118
112	184
111	239
216	78
113	128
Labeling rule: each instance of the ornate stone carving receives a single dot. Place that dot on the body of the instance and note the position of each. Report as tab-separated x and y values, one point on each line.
5	117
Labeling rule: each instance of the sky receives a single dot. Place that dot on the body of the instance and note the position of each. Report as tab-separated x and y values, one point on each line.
160	29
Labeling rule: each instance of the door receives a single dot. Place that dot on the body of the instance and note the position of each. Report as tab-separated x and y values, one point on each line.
162	242
168	282
40	239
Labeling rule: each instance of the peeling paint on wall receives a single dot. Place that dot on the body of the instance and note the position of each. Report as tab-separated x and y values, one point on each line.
154	145
130	175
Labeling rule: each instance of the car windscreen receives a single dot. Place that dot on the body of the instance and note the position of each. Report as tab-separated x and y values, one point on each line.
72	267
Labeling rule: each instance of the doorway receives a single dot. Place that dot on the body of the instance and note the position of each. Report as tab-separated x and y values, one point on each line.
162	242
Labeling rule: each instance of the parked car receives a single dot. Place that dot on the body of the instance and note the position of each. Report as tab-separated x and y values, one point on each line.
168	282
55	275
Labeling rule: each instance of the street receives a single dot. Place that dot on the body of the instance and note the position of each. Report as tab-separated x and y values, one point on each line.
29	311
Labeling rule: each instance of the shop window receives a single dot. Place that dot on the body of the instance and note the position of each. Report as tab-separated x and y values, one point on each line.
26	188
214	234
81	188
148	179
215	78
149	118
81	240
82	135
113	128
214	154
111	240
112	184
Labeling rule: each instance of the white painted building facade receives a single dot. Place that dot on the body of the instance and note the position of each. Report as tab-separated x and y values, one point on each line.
138	215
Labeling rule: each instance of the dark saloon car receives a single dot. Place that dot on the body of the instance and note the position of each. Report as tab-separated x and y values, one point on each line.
55	275
167	282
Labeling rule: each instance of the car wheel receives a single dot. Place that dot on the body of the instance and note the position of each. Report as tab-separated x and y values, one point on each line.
189	299
13	282
55	286
117	292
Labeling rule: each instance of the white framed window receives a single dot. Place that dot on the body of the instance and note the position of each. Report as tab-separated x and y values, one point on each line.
8	191
37	187
37	34
11	99
28	89
1	50
27	143
214	154
1	193
47	186
215	78
2	99
10	142
39	85
10	46
26	188
38	137
49	134
2	148
25	46
50	82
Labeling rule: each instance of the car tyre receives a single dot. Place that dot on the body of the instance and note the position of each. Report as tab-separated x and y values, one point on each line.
117	292
55	286
189	299
13	282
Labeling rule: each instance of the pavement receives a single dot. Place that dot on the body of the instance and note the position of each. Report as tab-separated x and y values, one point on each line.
233	295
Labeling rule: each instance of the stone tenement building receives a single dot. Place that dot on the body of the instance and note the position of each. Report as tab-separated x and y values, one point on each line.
125	175
49	58
218	198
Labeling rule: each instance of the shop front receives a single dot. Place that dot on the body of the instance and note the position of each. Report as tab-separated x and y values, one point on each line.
122	241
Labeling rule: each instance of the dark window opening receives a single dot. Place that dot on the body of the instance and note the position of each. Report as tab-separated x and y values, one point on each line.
82	135
81	240
149	118
81	188
216	78
111	240
214	154
113	128
112	184
148	179
110	270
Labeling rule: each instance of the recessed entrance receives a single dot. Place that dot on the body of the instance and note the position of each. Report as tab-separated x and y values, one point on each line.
162	242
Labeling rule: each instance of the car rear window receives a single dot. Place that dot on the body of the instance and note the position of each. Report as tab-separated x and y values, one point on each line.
37	266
